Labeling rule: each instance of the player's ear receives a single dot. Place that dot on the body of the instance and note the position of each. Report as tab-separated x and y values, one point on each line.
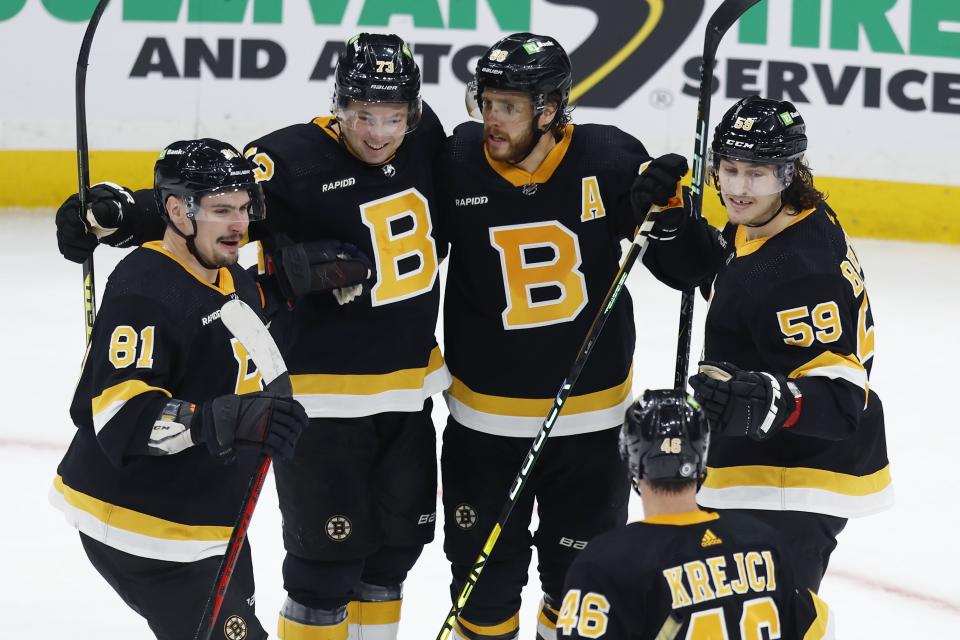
177	212
548	113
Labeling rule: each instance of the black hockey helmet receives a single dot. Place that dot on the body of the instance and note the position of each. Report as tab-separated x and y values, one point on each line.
378	68
665	436
191	169
525	62
761	130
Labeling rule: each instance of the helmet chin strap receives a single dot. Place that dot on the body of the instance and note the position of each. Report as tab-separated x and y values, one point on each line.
192	245
772	216
538	133
534	140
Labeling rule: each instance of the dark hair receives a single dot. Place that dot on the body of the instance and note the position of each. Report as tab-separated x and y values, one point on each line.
671	487
802	194
564	116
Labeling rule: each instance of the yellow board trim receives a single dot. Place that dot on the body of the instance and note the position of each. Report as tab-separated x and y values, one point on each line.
867	208
601	72
874	209
365	385
683	519
373	613
136	522
123	392
797	478
538	407
45	178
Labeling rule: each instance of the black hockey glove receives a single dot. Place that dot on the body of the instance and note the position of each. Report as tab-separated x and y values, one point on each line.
738	402
78	234
251	420
319	267
658	189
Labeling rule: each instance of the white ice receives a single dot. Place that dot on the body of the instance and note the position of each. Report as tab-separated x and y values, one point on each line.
894	575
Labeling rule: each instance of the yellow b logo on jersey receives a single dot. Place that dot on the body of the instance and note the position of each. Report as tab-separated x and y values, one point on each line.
541	275
400	228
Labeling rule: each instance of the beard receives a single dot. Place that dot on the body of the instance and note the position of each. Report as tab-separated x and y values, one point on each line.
516	147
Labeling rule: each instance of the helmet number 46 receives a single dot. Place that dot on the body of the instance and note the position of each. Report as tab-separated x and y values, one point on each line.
671	445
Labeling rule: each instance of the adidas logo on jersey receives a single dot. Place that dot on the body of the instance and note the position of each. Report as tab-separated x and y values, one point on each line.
469	202
339	184
710	539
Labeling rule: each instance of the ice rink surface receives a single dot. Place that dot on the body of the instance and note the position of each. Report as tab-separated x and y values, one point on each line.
894	575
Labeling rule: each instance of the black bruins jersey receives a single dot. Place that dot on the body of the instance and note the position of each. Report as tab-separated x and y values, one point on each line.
795	304
699	575
158	336
377	353
531	259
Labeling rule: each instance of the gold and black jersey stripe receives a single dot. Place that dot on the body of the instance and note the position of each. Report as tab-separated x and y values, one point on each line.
377	353
531	257
158	336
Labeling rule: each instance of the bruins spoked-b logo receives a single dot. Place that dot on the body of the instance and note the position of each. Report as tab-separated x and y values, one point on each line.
465	516
235	628
339	528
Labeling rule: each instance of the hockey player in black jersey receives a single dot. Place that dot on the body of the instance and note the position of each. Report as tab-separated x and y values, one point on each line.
789	340
682	572
350	195
171	412
534	211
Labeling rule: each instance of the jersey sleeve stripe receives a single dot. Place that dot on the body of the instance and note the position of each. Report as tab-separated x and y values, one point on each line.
111	400
822	627
797	478
797	489
835	366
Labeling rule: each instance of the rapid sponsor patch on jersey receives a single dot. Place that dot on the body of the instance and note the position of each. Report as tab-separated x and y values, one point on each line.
339	184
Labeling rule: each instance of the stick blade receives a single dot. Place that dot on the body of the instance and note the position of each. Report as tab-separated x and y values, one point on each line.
247	327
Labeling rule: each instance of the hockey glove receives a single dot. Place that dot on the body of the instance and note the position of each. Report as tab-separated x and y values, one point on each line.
657	190
738	402
319	267
78	234
251	420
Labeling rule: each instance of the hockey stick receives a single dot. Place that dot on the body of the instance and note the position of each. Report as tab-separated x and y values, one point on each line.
250	331
636	250
83	160
721	20
718	25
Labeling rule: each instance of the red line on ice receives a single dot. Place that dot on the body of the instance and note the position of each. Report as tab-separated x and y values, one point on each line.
894	589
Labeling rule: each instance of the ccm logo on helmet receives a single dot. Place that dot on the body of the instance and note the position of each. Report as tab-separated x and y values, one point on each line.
339	184
739	143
